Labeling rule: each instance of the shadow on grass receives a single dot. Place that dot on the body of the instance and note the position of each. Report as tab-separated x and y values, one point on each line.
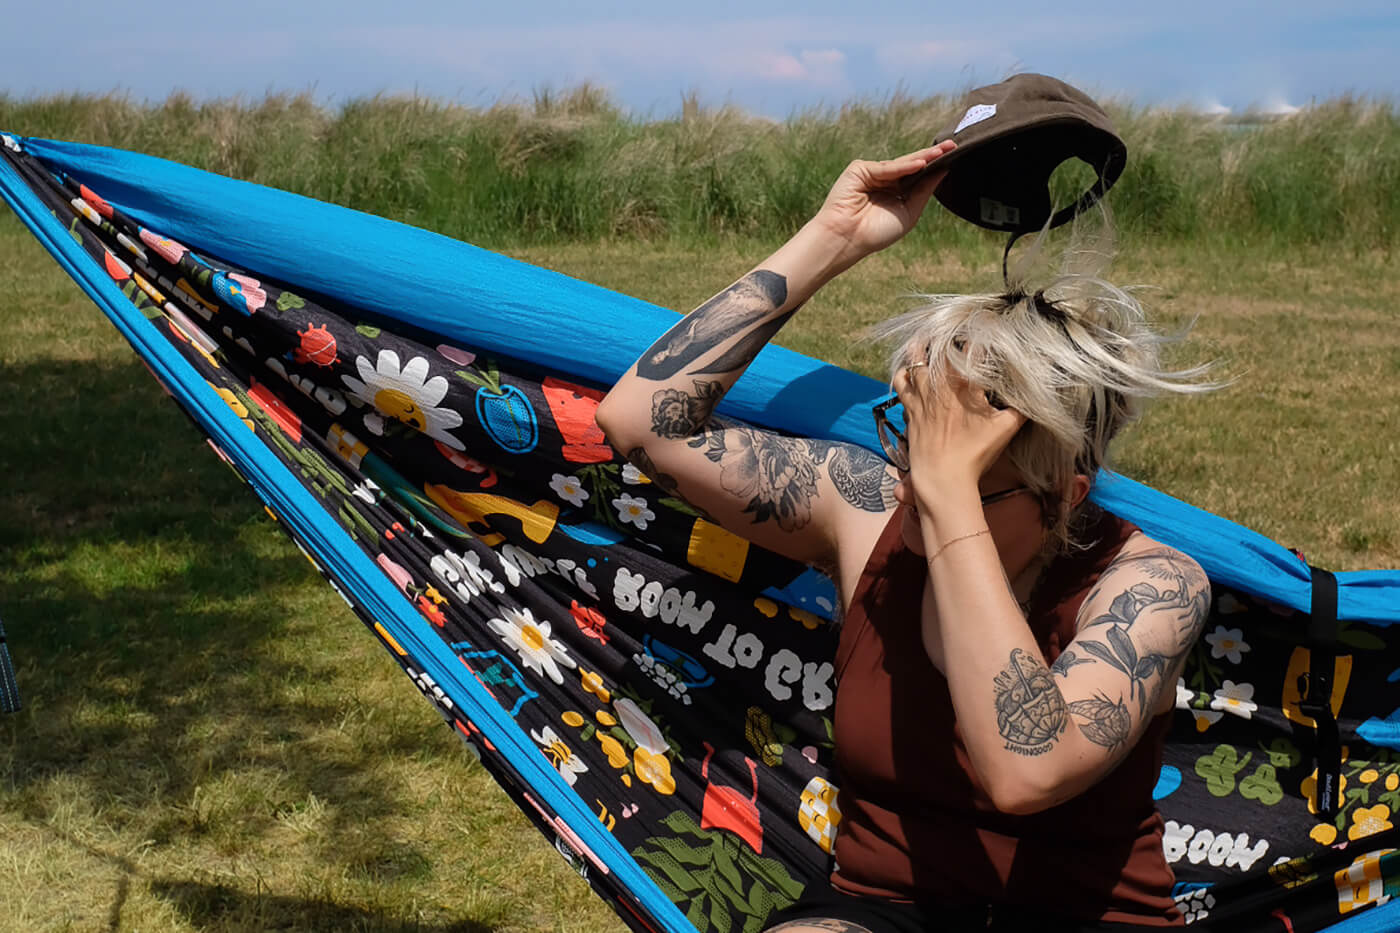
168	639
224	908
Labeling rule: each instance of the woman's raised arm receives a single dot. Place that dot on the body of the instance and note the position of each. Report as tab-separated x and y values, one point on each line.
784	493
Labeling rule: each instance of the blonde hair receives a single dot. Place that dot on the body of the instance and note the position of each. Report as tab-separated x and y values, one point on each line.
1076	357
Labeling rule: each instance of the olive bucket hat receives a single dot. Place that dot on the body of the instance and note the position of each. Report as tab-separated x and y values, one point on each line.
1011	137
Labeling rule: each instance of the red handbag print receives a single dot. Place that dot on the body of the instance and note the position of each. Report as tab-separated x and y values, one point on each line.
573	407
727	808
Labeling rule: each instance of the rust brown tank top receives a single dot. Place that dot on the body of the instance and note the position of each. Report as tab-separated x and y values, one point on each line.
916	824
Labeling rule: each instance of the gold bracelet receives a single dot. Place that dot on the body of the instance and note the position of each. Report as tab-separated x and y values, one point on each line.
952	541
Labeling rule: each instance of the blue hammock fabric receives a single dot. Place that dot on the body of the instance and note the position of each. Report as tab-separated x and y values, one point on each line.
653	690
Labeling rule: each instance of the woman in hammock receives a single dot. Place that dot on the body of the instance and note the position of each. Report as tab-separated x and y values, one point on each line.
1008	654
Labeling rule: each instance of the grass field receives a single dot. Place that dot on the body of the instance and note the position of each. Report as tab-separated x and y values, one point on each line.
211	741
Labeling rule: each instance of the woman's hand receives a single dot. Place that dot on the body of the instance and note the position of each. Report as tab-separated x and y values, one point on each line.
873	204
954	434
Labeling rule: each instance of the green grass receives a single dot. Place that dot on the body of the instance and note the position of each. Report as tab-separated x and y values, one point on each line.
212	743
570	165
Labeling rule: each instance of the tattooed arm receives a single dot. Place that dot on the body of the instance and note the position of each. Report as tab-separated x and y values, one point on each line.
1039	735
787	493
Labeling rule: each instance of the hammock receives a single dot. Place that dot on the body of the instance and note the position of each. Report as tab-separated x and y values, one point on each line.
654	691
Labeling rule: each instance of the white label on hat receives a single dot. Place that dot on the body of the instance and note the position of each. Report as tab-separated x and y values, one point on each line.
998	214
976	114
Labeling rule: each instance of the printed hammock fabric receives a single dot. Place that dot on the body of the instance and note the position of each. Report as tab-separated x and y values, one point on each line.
677	678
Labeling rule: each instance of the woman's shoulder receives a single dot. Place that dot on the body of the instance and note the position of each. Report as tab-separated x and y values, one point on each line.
1146	554
1149	579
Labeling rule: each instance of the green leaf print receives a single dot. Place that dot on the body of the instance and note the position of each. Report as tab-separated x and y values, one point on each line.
367	330
288	300
1283	753
1219	769
706	873
1262	786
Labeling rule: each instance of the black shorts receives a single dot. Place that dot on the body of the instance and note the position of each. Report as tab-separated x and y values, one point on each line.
884	916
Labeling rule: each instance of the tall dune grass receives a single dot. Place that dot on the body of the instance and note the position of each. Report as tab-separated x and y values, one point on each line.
570	165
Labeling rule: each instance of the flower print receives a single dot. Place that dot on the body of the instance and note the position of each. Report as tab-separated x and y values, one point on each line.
617	755
365	491
531	640
633	509
560	756
1227	643
1323	834
1236	699
592	681
569	488
407	394
655	770
1205	718
1184	695
1367	821
633	476
1369	776
374	423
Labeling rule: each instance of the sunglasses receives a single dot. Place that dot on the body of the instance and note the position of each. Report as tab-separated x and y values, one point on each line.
889	427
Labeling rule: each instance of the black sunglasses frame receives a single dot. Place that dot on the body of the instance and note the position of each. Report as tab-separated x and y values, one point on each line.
896	449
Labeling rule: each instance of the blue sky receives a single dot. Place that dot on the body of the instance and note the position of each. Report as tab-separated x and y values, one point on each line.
766	57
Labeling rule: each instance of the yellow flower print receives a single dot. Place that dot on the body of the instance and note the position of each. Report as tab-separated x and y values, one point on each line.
1369	776
606	718
1324	834
617	755
1309	788
571	718
654	770
1367	821
593	682
1392	781
435	596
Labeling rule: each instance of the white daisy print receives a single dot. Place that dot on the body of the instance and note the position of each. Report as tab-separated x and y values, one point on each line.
1184	695
633	476
633	509
1227	643
1205	718
568	488
406	394
560	755
531	640
1236	699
